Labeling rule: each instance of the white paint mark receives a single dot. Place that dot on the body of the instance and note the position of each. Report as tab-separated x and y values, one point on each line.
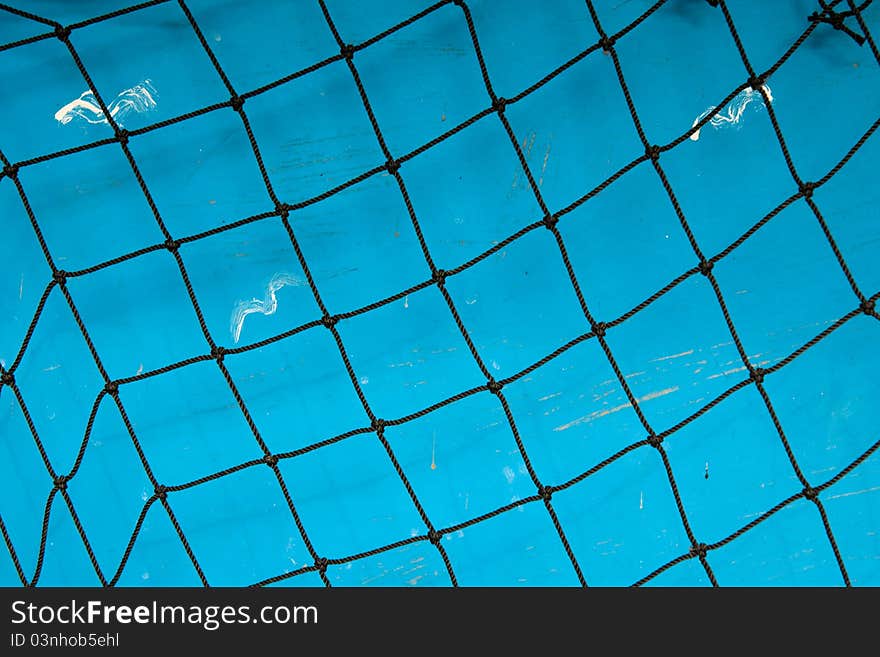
495	365
471	302
641	500
509	474
145	576
51	368
140	369
406	301
267	306
550	396
21	287
733	113
467	501
434	452
365	380
140	98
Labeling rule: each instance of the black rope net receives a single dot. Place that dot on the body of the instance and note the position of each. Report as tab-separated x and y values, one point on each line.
845	17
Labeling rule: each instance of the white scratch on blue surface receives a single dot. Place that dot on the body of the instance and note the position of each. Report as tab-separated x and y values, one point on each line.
139	98
733	113
855	492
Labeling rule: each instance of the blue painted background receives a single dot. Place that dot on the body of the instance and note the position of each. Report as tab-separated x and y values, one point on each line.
783	286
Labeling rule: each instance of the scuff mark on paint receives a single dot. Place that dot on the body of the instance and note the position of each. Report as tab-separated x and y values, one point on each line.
266	306
139	98
527	144
735	110
658	393
509	474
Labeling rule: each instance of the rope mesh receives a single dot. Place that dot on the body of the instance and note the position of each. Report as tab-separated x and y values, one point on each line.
848	19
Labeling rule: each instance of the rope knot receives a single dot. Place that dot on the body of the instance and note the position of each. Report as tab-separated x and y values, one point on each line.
271	460
62	32
217	353
705	267
329	321
392	166
7	378
699	550
347	51
758	374
494	386
655	441
59	276
60	482
434	536
236	102
499	105
111	388
599	329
